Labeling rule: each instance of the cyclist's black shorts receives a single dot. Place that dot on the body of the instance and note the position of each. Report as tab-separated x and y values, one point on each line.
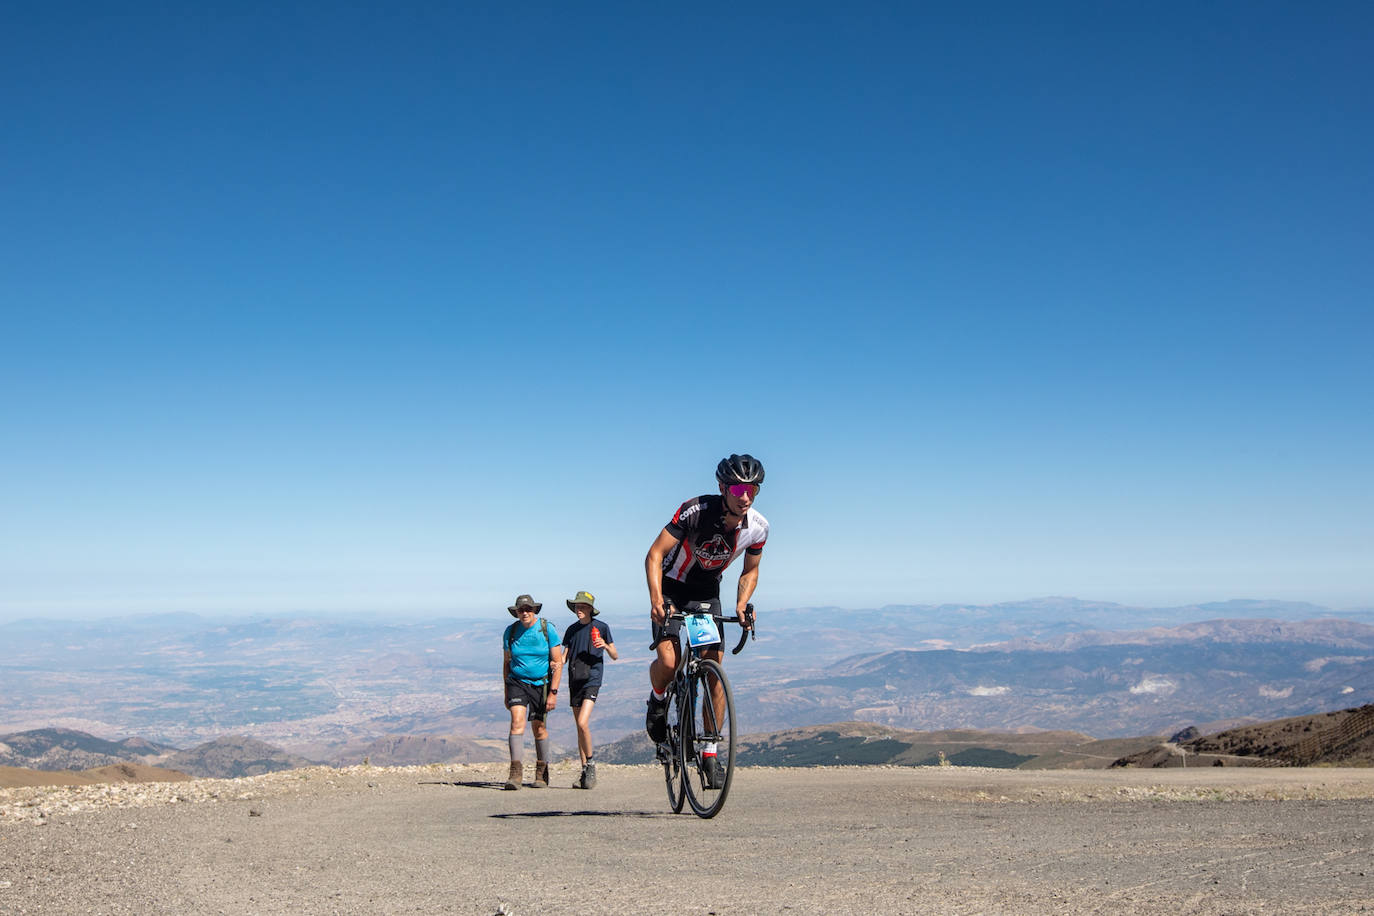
679	594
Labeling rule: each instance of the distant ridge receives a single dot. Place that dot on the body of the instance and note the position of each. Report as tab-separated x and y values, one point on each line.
69	749
233	756
1328	632
867	744
1342	738
413	750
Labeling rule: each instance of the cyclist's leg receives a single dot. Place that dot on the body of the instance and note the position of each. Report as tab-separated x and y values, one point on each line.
715	654
664	665
661	673
664	643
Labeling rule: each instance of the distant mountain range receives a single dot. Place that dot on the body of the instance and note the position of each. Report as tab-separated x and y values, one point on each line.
1141	682
230	756
1341	737
330	689
68	749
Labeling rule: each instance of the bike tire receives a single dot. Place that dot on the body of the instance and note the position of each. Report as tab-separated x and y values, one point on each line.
673	773
697	729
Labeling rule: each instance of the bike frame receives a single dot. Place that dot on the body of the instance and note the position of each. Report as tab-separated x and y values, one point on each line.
680	764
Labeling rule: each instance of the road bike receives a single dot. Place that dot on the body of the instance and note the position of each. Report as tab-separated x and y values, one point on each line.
698	754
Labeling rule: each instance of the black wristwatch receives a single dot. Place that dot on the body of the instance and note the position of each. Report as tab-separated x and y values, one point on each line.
553	691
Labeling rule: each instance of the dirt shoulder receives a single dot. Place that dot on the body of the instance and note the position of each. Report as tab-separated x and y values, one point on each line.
847	840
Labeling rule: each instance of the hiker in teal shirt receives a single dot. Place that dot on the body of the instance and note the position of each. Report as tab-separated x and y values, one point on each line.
532	666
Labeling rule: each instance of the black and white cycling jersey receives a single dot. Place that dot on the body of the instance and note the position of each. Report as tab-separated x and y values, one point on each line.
705	546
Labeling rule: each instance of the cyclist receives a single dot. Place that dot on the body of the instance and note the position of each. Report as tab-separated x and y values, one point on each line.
685	563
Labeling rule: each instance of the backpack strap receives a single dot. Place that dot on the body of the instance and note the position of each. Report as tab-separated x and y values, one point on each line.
548	676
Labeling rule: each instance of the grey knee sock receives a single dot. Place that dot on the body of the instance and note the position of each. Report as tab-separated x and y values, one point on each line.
517	747
541	749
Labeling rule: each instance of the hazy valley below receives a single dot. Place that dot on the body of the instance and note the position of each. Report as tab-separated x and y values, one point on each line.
347	690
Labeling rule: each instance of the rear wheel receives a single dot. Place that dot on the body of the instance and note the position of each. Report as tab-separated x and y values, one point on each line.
672	762
707	726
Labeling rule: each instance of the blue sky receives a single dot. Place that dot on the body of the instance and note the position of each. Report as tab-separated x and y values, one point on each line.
342	307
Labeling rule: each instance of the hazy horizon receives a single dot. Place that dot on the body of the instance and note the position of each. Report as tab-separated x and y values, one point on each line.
400	617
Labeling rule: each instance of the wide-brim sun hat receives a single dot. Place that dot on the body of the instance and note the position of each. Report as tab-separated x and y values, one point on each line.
524	601
586	598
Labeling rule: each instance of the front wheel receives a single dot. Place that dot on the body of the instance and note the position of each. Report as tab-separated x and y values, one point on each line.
707	736
669	755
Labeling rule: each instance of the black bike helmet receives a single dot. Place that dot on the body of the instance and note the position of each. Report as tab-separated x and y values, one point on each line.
740	469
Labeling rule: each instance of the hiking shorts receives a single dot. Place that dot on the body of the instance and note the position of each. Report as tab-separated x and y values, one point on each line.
583	690
532	696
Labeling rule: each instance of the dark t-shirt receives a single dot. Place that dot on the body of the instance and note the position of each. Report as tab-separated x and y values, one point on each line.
577	646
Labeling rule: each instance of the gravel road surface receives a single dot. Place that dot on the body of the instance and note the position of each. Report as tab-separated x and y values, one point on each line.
445	839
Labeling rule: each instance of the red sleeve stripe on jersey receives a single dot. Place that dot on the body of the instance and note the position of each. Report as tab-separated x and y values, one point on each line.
684	560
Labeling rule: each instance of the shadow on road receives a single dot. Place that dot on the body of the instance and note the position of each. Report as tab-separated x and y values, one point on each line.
475	784
639	814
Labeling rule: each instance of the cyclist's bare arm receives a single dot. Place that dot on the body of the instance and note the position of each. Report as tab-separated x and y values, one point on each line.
748	581
653	572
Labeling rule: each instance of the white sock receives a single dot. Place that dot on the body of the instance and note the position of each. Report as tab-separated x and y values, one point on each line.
658	694
709	750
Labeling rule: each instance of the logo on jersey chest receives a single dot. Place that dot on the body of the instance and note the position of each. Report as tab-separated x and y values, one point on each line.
713	554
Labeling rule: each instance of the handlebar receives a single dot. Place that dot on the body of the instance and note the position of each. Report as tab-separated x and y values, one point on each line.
712	609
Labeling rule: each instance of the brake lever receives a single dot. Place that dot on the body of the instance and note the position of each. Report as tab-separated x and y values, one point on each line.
747	633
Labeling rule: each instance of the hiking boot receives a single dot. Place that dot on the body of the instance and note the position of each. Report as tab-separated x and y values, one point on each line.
589	776
541	775
581	779
712	772
517	772
656	720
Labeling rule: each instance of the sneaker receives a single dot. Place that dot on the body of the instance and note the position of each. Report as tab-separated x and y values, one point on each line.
541	775
656	720
581	779
589	776
712	772
517	772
